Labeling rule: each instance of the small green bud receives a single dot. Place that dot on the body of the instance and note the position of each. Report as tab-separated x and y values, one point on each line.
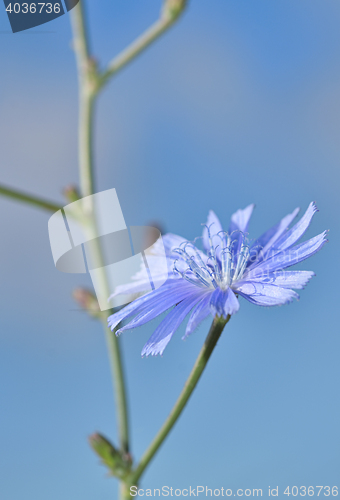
71	193
118	463
87	301
173	8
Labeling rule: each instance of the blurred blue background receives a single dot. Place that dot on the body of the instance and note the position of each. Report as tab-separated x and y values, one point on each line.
238	103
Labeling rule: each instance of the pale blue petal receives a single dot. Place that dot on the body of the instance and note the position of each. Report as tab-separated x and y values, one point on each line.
139	286
141	281
286	279
260	246
148	300
172	241
216	232
239	227
240	219
223	302
165	330
289	238
161	305
265	295
288	257
201	311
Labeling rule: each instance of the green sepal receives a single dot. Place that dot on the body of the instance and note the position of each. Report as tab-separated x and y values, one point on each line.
118	463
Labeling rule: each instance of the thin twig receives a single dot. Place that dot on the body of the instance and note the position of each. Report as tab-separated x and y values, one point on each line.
30	199
87	74
199	366
167	19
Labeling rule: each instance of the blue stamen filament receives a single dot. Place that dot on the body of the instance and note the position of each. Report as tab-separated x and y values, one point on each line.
214	270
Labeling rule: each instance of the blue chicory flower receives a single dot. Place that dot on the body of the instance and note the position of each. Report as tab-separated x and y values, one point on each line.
210	281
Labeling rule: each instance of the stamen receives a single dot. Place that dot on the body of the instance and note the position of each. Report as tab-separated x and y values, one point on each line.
227	259
194	282
242	261
197	254
200	273
215	271
188	278
212	255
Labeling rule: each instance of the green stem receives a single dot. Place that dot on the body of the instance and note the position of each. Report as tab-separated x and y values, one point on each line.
86	76
81	43
171	11
119	384
87	86
27	198
86	115
124	491
199	366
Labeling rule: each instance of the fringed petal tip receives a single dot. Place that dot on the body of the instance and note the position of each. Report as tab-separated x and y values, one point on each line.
153	354
240	219
312	208
294	296
110	324
154	349
325	234
117	332
313	204
303	285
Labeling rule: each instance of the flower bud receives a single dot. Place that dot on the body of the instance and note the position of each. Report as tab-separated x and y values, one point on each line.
118	463
71	193
173	8
87	301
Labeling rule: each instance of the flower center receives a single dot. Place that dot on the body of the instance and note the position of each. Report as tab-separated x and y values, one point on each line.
221	267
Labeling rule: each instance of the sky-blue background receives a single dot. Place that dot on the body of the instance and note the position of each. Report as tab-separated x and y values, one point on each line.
238	103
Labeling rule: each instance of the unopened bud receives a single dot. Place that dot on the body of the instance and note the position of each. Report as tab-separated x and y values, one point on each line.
87	301
71	193
173	8
118	463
